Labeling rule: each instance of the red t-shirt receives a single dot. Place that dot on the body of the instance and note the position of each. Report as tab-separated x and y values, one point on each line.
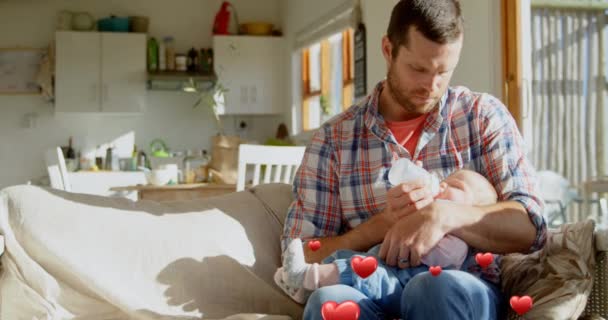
407	133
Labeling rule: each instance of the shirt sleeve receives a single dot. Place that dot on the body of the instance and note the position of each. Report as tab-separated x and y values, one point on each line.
316	210
504	163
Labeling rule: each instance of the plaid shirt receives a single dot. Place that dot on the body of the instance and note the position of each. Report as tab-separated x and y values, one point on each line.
343	178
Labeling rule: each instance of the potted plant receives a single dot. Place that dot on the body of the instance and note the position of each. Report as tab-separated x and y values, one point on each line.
212	98
224	149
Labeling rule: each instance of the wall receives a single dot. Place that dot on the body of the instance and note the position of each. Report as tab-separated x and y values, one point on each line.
480	64
30	23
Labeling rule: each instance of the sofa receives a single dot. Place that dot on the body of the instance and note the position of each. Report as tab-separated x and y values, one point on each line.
68	255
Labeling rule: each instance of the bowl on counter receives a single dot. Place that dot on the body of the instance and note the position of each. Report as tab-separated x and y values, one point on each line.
159	177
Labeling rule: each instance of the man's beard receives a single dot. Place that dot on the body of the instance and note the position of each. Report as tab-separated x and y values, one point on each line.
400	96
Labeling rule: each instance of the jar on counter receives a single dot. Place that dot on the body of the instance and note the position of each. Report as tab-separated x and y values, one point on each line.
181	62
196	167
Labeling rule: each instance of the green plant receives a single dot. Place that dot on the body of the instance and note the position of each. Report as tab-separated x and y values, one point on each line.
325	105
210	98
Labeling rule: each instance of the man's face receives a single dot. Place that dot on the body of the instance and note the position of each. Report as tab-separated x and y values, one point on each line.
419	74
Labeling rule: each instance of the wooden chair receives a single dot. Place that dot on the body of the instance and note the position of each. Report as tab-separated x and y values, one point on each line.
57	170
281	163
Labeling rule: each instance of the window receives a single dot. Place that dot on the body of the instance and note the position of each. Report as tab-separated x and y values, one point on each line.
327	79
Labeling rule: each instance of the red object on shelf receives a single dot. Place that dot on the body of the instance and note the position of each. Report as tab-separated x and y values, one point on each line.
222	19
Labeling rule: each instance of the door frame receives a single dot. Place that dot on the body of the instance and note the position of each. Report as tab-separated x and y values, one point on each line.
512	58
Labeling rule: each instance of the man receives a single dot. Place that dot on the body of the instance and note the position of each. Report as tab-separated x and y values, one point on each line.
344	199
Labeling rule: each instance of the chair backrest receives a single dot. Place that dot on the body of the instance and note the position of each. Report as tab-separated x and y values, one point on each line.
281	163
58	172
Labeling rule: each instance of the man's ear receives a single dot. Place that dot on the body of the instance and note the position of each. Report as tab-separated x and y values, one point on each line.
387	50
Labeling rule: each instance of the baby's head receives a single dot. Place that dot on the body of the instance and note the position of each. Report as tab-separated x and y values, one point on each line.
467	187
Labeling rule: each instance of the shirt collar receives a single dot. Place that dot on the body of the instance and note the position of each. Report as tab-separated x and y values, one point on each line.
374	121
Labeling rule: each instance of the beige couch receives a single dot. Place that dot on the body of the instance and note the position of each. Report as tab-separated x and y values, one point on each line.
68	255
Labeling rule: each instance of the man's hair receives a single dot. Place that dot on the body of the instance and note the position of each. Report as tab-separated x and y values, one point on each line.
438	20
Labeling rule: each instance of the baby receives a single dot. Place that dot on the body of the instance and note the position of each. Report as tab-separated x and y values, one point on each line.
298	278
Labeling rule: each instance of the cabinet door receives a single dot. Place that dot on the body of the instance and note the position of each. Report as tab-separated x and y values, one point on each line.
268	85
250	68
123	72
77	78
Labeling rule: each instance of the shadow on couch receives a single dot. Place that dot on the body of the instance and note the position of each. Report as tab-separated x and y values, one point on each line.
191	285
218	286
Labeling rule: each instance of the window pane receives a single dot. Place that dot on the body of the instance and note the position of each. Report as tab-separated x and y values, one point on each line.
335	98
314	112
315	67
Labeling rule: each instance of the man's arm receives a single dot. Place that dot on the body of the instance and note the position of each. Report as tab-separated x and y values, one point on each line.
499	228
361	238
515	223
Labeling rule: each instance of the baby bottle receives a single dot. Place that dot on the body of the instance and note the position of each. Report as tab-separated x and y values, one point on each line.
404	170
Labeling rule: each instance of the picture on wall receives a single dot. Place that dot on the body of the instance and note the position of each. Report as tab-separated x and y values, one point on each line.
18	70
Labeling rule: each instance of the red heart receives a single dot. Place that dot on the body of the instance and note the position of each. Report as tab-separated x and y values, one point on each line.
521	305
435	271
484	259
314	245
364	267
347	310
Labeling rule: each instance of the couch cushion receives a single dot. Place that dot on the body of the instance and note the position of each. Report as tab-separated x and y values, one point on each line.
558	277
277	197
96	257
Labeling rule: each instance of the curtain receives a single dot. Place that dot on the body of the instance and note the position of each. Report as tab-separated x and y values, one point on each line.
569	93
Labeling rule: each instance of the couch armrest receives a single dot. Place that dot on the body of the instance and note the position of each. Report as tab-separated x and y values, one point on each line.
601	240
1	245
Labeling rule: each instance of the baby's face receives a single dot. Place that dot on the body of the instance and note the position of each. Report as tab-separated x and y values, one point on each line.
453	189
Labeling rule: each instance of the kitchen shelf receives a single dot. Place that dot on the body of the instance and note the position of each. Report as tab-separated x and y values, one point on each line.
177	80
180	75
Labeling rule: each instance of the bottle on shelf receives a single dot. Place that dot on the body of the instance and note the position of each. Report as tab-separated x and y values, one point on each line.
210	60
192	62
152	54
169	53
162	56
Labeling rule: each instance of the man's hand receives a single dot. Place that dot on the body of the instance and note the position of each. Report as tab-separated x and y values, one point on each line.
413	236
405	199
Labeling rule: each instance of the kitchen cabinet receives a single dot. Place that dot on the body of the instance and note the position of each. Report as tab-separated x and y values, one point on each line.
252	69
100	72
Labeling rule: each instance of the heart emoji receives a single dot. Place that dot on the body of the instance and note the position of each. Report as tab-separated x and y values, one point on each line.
521	305
435	271
484	259
314	245
347	310
364	267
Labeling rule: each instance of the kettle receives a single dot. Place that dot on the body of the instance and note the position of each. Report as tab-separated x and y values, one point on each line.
223	23
159	149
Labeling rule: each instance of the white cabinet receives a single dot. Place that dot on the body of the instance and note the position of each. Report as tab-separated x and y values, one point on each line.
100	72
251	68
